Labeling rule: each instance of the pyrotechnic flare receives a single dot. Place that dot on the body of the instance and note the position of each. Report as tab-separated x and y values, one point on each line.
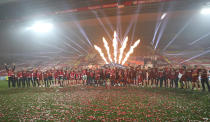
107	49
115	46
101	53
122	49
130	51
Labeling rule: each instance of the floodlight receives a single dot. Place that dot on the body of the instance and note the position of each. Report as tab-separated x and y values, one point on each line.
163	16
205	11
41	27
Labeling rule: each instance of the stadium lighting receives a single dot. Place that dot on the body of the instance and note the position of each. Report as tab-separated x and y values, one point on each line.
205	11
163	16
41	27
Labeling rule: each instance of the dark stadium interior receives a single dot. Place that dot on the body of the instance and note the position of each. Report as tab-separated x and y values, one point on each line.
15	15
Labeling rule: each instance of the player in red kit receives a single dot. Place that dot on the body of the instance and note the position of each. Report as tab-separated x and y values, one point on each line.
72	77
84	76
140	79
39	78
34	78
112	76
183	78
20	78
92	76
189	77
194	78
204	79
172	78
24	81
97	77
11	75
56	76
29	78
61	77
46	82
50	77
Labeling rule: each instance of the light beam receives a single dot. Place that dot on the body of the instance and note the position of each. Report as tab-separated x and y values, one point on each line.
83	33
161	32
202	37
102	24
156	30
201	54
175	37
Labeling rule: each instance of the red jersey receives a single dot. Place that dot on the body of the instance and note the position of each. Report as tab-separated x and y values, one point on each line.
11	74
38	75
49	74
24	74
168	73
41	76
20	74
204	74
66	74
112	74
72	75
34	74
92	74
173	75
160	74
195	74
45	75
56	74
84	72
183	78
78	76
97	74
189	74
151	74
61	73
29	74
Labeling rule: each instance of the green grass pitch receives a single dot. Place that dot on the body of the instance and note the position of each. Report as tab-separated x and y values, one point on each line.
86	103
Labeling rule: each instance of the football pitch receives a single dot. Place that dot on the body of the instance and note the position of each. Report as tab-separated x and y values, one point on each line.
88	103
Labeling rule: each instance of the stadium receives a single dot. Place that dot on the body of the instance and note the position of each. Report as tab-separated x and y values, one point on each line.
104	60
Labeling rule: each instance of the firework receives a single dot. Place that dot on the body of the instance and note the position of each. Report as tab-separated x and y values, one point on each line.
130	51
115	46
107	49
101	53
122	49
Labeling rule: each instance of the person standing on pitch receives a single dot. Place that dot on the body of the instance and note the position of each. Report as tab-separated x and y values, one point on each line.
11	75
20	78
204	79
29	78
24	81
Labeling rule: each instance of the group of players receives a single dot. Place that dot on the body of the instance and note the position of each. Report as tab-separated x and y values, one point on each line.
111	76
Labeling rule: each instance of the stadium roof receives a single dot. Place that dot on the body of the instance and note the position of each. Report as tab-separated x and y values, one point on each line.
80	21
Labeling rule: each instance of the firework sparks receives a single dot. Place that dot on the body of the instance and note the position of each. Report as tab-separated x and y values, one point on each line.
130	51
101	53
122	49
107	49
115	46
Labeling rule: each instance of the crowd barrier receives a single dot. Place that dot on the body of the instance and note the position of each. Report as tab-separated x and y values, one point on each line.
3	78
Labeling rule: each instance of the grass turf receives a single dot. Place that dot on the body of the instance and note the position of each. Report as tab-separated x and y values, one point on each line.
84	103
